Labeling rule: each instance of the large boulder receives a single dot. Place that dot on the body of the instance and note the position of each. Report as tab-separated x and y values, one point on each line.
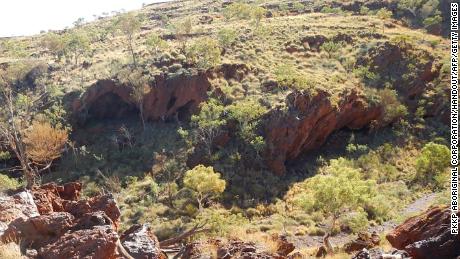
20	205
140	242
427	235
309	120
40	230
364	240
97	242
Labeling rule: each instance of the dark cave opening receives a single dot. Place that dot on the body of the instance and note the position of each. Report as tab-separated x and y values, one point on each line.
111	106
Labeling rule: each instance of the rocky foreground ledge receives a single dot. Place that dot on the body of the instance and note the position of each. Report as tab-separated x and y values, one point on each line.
52	222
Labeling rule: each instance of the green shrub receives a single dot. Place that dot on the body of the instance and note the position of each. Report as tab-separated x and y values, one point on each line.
155	43
204	53
331	48
430	21
364	10
366	75
245	11
237	10
7	183
5	155
287	76
247	114
220	221
356	220
384	14
393	108
226	37
328	9
432	164
299	7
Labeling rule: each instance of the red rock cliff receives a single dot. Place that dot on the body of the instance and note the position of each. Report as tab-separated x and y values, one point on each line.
309	121
168	95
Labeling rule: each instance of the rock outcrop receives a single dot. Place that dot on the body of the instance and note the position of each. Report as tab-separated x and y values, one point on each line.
364	241
309	120
53	222
169	95
427	235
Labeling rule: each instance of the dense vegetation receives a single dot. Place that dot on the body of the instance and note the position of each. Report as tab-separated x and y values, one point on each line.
209	167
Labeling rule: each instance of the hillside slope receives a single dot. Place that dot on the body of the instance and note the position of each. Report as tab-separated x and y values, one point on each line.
260	119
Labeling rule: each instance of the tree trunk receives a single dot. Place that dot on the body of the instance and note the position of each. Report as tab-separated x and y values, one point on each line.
200	204
141	114
131	49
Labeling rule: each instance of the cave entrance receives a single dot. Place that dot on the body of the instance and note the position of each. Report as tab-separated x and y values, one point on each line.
184	113
111	106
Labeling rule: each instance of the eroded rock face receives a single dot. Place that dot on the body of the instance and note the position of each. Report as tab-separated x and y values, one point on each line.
169	95
309	120
427	235
50	197
54	222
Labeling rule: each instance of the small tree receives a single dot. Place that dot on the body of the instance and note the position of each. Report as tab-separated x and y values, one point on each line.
226	37
384	14
341	188
364	10
258	13
330	48
432	163
17	109
205	183
393	108
129	25
182	30
44	143
431	21
205	53
155	44
77	45
247	114
208	123
288	76
245	11
299	7
238	10
168	170
79	22
56	44
139	82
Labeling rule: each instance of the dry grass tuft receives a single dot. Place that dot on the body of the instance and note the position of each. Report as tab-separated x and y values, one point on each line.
10	251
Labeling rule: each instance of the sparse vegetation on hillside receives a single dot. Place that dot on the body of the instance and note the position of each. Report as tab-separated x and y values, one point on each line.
175	109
